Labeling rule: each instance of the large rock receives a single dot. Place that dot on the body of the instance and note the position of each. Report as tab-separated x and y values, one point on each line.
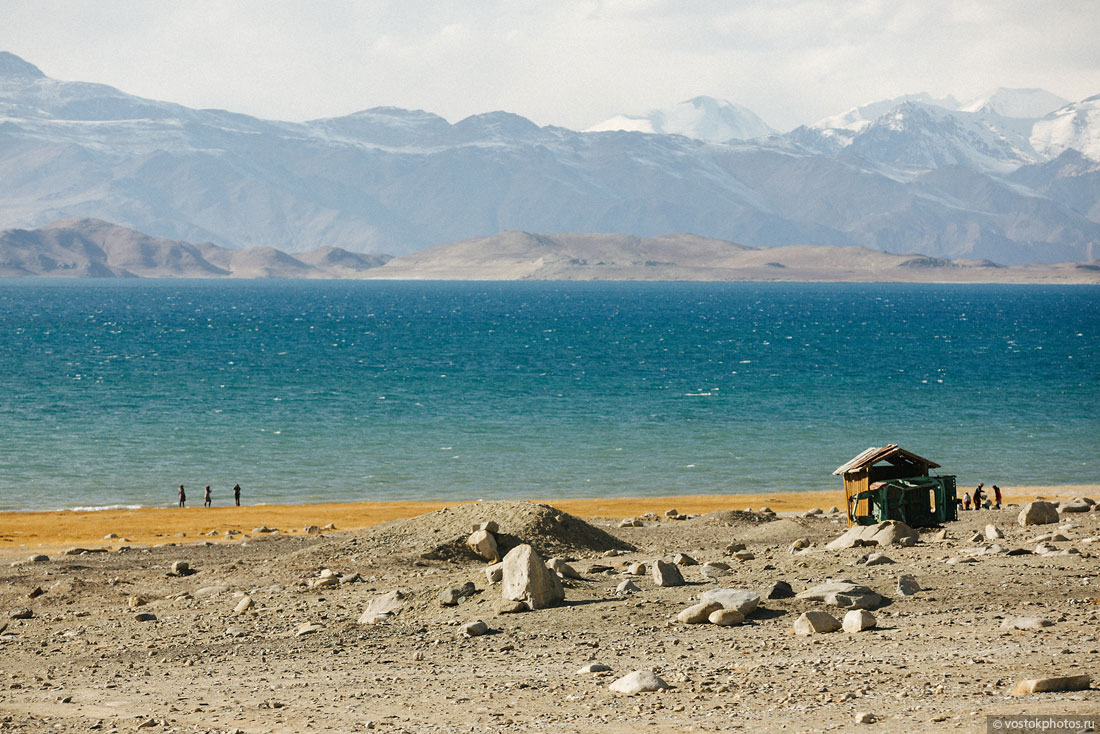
667	574
484	545
744	602
814	623
857	620
1038	513
1074	506
843	594
908	585
382	608
698	613
888	532
640	681
527	579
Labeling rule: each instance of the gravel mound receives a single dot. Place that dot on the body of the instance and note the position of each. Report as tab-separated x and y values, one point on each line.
442	534
733	518
778	531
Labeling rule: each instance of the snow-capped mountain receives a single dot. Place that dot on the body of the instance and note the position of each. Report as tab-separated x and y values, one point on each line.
1075	126
1019	103
918	177
702	118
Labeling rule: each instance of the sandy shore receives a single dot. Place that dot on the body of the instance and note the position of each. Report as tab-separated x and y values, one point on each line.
47	531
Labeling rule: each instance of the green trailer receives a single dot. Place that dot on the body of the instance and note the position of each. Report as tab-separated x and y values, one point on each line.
916	501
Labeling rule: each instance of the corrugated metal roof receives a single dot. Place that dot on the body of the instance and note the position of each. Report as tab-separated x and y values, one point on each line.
874	455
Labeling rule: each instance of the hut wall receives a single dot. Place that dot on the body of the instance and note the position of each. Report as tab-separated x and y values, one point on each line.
854	483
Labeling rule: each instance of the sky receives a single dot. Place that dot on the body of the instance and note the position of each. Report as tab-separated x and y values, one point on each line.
557	62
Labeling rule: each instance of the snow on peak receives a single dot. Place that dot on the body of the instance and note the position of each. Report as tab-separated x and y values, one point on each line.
702	118
1075	125
1019	103
857	118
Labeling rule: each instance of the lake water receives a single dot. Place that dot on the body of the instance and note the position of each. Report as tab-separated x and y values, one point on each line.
115	392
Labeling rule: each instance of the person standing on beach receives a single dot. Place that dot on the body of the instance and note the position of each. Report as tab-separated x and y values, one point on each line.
206	497
978	496
183	497
966	500
997	496
237	495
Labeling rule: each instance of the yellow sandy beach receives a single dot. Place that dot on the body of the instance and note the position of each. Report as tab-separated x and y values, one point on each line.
150	526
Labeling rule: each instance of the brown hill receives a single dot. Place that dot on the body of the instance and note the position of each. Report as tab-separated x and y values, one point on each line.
525	256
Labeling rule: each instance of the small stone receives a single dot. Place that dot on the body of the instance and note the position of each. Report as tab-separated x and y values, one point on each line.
992	532
311	530
508	606
20	613
671	513
800	544
778	590
474	629
726	617
735	547
639	681
711	572
815	622
145	617
494	573
38	558
865	717
136	601
594	668
1026	623
235	631
941	535
666	574
1074	506
627	587
873	559
489	526
181	568
744	555
907	585
698	613
562	569
637	569
110	536
630	522
243	605
37	592
1044	685
453	595
307	628
328	527
858	620
382	608
683	559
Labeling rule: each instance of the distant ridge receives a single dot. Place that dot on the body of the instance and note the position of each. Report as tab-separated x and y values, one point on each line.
92	248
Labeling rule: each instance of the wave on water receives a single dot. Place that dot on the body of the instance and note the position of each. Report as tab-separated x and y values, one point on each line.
100	508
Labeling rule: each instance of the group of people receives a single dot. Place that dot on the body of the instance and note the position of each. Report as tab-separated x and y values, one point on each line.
980	497
206	496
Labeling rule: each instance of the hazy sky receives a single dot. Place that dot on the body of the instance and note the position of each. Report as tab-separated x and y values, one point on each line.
562	62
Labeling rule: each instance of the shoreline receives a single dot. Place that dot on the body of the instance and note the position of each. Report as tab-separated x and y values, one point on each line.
44	531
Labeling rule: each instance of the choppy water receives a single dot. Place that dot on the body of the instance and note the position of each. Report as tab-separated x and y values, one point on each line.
115	392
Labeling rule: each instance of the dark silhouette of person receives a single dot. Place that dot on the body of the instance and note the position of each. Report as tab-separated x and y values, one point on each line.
206	497
183	497
978	496
237	495
997	496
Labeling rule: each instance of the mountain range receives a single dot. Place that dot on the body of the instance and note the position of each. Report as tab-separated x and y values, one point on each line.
1013	178
94	248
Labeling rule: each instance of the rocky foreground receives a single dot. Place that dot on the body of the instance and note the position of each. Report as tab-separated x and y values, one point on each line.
511	616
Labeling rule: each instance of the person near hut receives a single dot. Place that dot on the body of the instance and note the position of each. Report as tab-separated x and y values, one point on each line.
966	500
183	497
978	496
997	496
206	497
237	495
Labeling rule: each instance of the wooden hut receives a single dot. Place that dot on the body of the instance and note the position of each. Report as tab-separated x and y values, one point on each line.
890	483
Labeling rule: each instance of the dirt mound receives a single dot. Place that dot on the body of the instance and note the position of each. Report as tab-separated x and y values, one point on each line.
777	531
442	534
733	518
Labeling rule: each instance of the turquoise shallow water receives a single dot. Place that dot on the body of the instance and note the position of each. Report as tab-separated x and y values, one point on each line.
115	392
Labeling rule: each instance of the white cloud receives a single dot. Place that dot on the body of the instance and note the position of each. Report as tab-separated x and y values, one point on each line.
571	62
